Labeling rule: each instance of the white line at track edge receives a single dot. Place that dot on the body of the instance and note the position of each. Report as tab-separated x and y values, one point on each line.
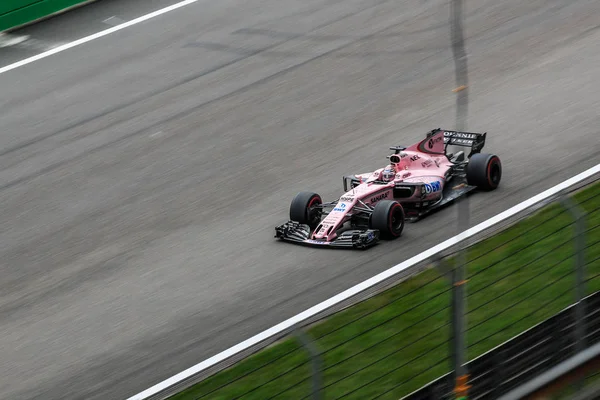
95	36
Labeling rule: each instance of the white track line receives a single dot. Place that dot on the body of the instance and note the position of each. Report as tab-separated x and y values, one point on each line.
96	36
364	285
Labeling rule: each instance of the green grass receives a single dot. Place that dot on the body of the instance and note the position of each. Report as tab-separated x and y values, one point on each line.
397	341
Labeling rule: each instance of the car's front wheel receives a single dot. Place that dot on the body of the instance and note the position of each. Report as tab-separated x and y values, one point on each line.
304	209
388	218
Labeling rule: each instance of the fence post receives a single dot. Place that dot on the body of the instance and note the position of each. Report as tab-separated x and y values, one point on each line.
315	362
458	293
579	217
580	328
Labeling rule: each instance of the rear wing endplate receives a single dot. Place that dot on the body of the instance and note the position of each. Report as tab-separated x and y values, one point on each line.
474	140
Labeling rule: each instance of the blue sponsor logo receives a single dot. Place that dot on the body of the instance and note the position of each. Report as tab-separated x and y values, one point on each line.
433	187
340	207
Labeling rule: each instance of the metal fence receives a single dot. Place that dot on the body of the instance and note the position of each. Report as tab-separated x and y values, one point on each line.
405	337
522	358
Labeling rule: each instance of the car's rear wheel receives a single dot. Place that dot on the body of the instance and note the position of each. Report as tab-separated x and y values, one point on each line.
388	218
484	171
303	209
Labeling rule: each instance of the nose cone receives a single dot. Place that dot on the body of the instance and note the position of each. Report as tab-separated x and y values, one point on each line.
324	231
327	228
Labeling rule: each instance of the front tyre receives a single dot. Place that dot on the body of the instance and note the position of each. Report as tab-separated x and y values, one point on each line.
388	218
303	209
484	171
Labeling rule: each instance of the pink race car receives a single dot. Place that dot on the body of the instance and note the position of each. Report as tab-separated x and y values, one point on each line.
417	180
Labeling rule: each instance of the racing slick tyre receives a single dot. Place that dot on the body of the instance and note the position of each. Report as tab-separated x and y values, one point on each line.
302	211
484	171
388	218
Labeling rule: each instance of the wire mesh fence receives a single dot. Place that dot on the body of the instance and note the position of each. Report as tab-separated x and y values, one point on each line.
397	341
529	273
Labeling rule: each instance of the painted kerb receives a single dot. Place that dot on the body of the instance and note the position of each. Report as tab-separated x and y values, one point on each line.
193	374
17	13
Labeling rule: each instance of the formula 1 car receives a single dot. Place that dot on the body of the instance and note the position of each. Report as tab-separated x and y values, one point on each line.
418	180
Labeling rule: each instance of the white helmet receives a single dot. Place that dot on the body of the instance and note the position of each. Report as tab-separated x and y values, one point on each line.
388	174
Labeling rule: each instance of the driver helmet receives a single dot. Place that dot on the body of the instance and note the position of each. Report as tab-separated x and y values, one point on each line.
388	173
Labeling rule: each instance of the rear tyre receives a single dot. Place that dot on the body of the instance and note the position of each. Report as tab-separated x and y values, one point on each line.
484	171
388	218
302	209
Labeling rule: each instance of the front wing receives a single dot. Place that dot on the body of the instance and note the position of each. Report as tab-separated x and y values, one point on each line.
295	232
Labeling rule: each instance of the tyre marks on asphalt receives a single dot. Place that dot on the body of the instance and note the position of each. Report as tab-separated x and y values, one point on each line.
188	80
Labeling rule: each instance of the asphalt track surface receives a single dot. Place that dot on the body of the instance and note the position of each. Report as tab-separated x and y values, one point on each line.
142	173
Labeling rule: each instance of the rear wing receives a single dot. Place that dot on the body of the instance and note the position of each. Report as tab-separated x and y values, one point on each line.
475	141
